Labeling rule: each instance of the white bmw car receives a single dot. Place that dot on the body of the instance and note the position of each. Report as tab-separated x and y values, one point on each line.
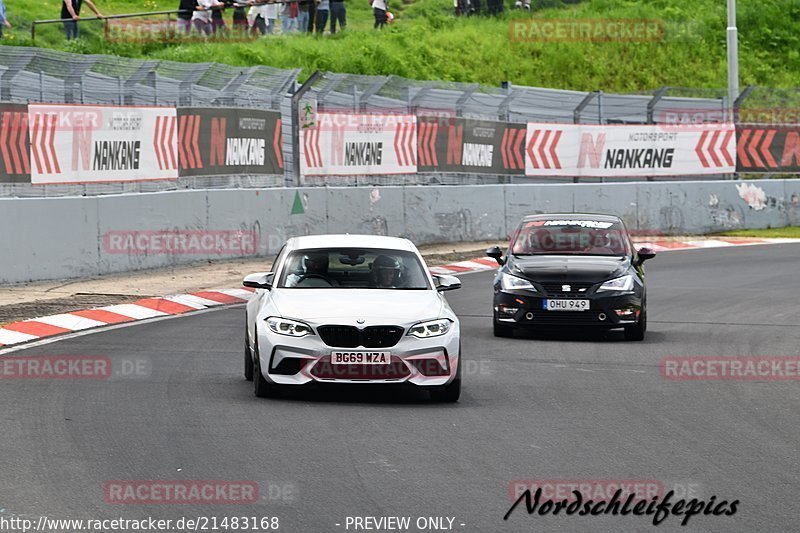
352	309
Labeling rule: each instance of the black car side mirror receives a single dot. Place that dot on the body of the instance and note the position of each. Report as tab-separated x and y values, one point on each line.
259	280
643	255
497	254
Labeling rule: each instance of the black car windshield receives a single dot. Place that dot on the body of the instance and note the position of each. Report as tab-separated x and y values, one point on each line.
571	236
347	268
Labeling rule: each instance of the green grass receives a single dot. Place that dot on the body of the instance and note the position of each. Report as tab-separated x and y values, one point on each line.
789	232
428	42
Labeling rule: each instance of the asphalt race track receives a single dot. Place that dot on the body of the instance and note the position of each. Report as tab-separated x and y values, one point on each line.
537	408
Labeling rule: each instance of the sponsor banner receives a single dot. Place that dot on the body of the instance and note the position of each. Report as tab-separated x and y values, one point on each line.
447	144
629	150
218	141
767	148
341	144
85	143
15	164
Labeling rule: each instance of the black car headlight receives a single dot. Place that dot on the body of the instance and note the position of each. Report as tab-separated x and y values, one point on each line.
432	328
624	283
291	328
509	282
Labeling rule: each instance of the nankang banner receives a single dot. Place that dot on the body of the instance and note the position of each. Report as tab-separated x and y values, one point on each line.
218	141
580	150
85	143
768	148
345	145
449	144
15	164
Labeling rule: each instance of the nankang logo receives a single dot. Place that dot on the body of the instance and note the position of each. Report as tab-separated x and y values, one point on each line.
245	151
477	155
116	155
363	153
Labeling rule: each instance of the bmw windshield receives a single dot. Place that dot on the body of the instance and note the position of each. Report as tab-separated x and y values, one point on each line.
572	237
343	268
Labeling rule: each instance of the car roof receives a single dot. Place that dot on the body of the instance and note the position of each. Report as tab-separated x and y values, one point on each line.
310	242
597	217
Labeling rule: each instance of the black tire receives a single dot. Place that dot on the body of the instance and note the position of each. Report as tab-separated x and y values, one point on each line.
449	393
248	357
261	387
636	332
502	330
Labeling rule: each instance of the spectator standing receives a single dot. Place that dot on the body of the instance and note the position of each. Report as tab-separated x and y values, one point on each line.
3	18
338	14
289	17
71	9
202	16
263	17
322	15
302	15
217	20
379	8
186	10
240	26
312	15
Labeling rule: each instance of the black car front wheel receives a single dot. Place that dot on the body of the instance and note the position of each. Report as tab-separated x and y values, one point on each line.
636	332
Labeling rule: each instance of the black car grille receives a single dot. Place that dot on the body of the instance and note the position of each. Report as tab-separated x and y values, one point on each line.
352	337
566	318
576	290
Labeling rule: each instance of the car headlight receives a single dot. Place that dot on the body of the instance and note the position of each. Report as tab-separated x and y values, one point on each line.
292	328
432	328
509	282
625	283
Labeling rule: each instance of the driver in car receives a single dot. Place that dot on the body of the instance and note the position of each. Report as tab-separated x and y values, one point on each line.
387	272
315	266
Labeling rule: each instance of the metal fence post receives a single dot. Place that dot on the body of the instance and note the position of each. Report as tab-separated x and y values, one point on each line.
737	104
599	107
298	94
651	105
576	114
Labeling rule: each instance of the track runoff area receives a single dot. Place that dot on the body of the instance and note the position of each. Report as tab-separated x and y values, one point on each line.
700	415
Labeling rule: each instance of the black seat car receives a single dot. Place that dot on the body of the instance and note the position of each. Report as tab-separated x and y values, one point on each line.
570	270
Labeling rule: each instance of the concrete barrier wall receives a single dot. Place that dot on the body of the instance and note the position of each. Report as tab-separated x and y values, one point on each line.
51	238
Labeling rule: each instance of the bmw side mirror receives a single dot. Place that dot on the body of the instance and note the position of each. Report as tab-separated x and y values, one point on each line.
446	283
497	254
643	255
259	280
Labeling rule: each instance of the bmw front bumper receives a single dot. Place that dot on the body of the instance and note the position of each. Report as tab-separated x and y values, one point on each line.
430	362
